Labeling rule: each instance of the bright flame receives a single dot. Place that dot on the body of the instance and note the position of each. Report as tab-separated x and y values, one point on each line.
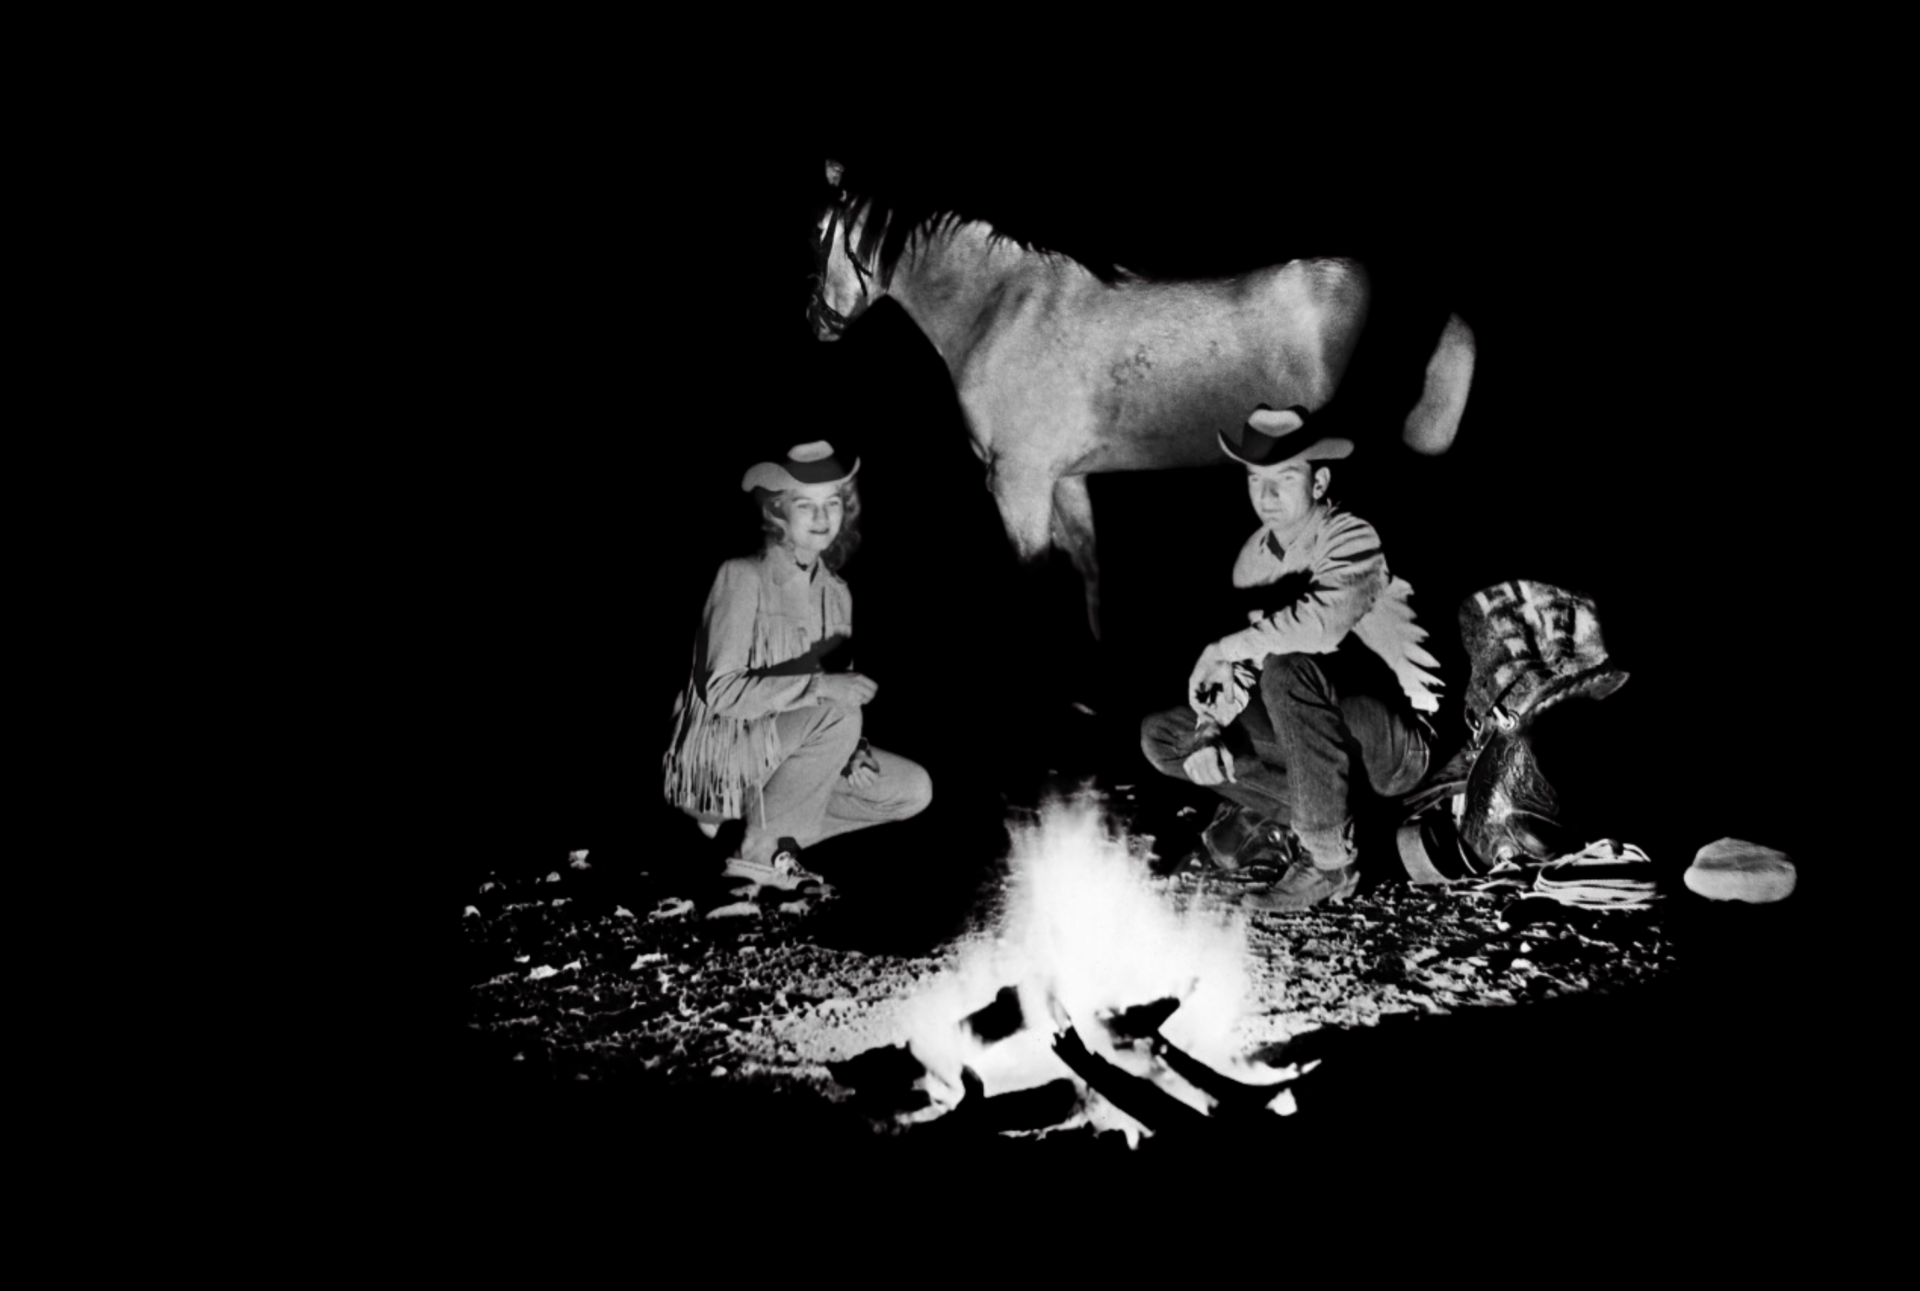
1083	933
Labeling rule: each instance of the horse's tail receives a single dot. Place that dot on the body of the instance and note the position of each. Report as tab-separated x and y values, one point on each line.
1435	420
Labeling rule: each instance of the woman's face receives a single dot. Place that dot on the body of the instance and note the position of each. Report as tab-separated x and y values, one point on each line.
814	515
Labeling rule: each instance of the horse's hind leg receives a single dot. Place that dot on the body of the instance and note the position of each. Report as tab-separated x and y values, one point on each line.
1073	534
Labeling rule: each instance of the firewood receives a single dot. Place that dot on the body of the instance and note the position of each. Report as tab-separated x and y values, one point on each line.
1141	1099
1142	1021
1234	1098
997	1020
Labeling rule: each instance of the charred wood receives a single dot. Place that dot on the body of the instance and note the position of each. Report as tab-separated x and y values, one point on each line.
1234	1098
1142	1021
1141	1099
997	1020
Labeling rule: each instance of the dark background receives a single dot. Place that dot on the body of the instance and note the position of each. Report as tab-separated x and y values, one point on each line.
617	332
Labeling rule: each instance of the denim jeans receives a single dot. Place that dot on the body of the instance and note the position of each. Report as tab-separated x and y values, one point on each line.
1314	718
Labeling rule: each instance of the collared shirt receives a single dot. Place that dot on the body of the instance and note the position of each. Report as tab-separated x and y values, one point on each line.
1342	587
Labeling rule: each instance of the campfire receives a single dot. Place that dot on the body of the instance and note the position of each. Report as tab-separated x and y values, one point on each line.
1090	998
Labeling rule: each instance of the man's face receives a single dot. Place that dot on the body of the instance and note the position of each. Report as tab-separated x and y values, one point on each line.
814	516
1283	495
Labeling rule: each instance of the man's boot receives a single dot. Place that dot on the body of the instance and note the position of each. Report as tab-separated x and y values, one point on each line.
1236	835
1323	870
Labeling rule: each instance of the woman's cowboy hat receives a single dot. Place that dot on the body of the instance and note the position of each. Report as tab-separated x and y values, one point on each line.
1272	439
805	464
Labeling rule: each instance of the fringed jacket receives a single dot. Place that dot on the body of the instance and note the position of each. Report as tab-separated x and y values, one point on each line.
765	635
1335	582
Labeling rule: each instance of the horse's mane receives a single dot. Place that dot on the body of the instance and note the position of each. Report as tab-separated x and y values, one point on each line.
896	215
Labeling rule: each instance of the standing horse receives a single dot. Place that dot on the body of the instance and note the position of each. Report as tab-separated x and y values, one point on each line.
1063	372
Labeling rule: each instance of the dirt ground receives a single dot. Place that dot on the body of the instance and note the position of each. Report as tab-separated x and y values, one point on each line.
666	984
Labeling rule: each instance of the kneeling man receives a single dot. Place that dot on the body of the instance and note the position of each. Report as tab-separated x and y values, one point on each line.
1328	680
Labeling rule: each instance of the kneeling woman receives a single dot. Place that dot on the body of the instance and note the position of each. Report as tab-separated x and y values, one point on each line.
767	729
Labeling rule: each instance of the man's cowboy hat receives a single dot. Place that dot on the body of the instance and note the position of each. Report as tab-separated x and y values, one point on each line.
805	464
1273	439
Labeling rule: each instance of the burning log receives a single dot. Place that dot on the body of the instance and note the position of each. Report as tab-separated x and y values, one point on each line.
1142	1021
1234	1099
1141	1099
885	1080
1039	1108
997	1020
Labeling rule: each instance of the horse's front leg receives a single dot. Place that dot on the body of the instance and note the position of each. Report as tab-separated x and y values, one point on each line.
1024	495
1073	534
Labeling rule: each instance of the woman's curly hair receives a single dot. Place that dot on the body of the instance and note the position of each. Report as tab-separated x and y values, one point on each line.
774	519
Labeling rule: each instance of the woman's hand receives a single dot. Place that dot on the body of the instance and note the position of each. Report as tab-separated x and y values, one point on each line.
850	688
862	769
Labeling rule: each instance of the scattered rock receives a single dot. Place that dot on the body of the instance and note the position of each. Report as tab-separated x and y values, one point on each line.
522	959
719	1072
644	960
553	877
487	887
543	972
1733	870
795	907
577	861
471	912
734	910
573	967
621	912
672	908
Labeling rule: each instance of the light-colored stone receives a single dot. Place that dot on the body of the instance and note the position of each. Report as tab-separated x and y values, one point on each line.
1734	870
737	910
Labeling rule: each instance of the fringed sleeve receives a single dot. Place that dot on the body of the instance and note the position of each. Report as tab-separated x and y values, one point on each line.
1348	576
1389	630
737	637
1344	588
724	742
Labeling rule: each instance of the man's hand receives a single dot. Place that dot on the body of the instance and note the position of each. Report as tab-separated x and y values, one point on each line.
1209	764
1218	688
850	688
1206	672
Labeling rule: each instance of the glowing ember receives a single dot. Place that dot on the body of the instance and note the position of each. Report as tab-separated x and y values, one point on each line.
1084	937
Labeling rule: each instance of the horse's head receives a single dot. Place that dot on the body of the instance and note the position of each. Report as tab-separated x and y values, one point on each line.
844	283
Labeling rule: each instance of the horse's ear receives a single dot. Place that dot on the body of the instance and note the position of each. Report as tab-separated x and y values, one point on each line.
834	171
